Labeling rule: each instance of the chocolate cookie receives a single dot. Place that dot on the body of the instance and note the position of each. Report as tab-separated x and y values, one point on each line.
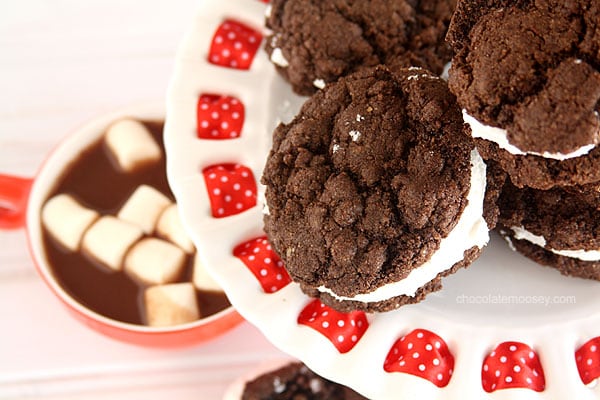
558	227
495	180
315	42
527	75
375	191
295	381
542	173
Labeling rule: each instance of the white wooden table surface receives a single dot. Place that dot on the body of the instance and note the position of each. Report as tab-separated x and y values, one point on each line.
61	63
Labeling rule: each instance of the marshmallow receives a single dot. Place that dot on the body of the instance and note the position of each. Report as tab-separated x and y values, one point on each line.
201	278
154	261
144	207
109	239
172	304
170	227
67	220
132	145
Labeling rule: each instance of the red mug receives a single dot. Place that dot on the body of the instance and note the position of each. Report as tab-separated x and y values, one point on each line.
21	201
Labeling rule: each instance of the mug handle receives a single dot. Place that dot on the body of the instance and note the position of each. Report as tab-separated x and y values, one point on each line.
14	193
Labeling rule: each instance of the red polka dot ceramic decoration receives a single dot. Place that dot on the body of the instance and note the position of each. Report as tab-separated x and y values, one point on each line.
224	101
588	361
422	353
219	117
264	263
231	189
512	365
234	45
343	330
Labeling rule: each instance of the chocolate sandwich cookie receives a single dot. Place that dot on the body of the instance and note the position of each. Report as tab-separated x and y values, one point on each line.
315	42
559	227
289	381
375	191
527	76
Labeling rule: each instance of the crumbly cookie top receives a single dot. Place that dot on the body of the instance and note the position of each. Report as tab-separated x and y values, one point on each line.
365	182
324	40
531	67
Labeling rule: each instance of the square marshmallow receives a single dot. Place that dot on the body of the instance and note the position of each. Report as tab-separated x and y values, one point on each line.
144	207
109	239
67	220
132	145
173	304
170	227
154	261
202	279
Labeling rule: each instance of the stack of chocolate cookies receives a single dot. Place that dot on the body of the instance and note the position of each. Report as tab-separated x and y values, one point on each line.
378	188
375	191
527	77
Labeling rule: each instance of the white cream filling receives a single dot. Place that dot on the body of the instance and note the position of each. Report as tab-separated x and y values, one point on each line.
319	83
446	72
584	255
262	199
355	135
500	137
471	230
278	58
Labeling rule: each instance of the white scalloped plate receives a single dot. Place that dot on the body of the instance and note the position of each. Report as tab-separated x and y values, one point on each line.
493	301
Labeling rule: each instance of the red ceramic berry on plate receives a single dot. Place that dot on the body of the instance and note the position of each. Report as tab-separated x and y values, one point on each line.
344	330
424	354
512	365
219	117
262	261
587	358
234	45
231	189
